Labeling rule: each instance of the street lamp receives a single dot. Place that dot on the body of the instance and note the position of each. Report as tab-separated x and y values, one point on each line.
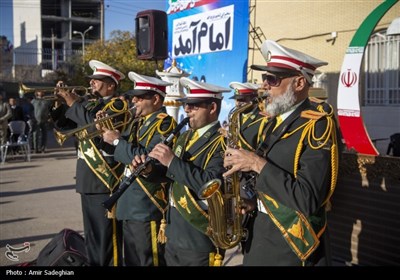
83	38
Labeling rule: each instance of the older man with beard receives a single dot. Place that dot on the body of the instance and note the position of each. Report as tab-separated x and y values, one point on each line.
296	165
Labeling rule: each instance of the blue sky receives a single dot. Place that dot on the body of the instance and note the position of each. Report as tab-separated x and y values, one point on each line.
119	14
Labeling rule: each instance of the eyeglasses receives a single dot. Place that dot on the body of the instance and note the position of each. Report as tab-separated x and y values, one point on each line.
195	106
275	81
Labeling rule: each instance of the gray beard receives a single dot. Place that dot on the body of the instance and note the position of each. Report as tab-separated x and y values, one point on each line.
281	103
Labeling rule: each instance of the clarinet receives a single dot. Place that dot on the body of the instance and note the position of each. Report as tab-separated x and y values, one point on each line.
110	202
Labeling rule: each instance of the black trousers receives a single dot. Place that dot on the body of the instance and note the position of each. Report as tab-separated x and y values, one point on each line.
179	257
140	244
103	236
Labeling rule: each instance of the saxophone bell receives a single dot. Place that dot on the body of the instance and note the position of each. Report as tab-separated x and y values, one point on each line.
209	189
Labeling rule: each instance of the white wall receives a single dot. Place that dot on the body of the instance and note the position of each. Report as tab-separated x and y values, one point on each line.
27	24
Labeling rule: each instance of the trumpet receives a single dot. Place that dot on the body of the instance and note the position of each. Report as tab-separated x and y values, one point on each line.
23	89
90	130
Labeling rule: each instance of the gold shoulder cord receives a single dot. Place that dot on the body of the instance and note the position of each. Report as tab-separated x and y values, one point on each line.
111	106
329	134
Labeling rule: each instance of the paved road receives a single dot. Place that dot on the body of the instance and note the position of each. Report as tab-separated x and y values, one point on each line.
38	199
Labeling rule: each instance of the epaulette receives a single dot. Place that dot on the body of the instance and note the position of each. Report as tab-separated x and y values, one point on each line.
316	100
162	115
313	115
321	105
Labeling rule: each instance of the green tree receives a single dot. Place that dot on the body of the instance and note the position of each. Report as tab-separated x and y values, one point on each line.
119	52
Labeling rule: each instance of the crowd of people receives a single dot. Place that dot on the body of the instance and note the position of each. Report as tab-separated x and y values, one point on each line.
283	147
34	113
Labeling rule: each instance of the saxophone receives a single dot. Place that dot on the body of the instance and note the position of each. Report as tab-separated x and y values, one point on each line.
224	207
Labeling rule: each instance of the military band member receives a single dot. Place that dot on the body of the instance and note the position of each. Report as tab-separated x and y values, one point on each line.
97	172
143	205
196	158
297	166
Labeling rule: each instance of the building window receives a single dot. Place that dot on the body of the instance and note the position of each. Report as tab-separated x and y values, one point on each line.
382	70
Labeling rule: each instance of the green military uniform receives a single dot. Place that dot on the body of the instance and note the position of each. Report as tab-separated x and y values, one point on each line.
187	242
290	228
97	174
143	204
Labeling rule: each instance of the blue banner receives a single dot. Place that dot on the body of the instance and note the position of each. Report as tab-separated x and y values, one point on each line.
209	40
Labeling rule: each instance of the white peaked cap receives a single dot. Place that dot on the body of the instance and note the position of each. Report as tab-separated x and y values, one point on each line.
244	89
280	58
146	83
102	70
198	89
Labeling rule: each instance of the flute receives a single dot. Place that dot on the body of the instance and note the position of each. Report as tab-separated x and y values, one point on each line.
110	202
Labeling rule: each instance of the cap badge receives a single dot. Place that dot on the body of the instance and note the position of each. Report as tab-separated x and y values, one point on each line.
187	88
268	58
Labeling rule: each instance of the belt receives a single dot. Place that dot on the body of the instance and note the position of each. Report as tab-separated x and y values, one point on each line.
261	207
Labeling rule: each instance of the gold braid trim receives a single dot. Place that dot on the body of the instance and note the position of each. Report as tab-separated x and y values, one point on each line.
172	125
154	248
334	166
244	142
329	134
161	238
110	105
149	132
217	141
156	126
162	210
115	243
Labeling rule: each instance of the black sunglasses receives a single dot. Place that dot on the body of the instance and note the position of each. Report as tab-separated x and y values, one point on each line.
196	106
274	80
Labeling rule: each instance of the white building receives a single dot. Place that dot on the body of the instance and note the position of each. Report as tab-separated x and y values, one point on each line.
47	32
